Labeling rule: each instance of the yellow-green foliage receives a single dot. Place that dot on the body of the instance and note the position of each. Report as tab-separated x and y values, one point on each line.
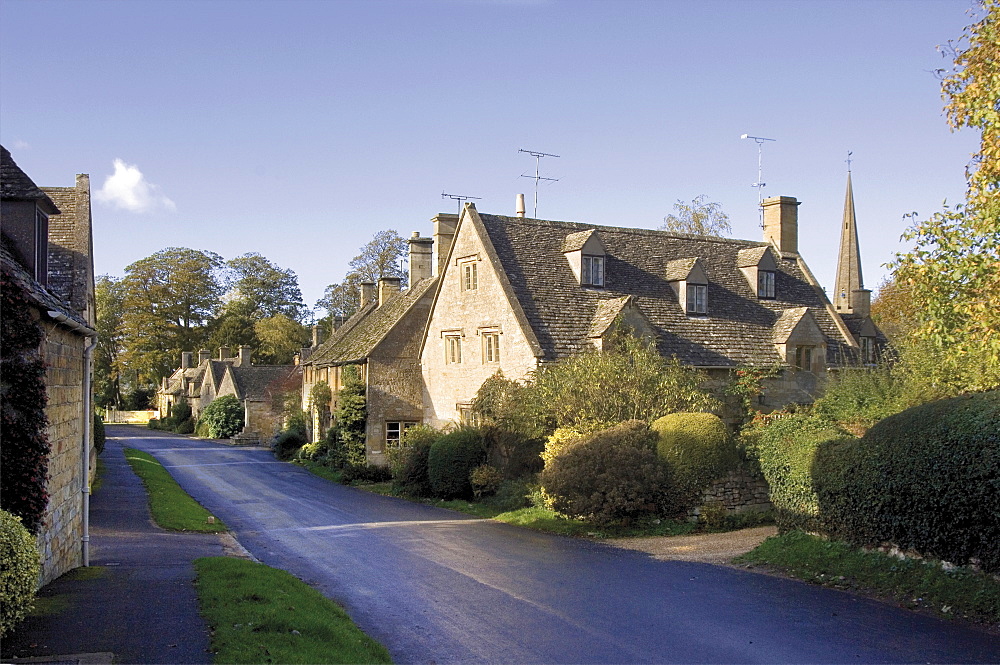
698	447
485	480
19	567
557	441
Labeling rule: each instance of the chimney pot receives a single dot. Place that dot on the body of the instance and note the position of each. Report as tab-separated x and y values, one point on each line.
520	205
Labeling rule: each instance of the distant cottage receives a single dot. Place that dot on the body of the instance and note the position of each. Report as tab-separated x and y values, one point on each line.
494	293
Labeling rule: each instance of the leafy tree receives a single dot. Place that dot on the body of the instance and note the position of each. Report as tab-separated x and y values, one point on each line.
169	300
953	270
109	297
280	338
700	217
631	380
378	258
894	310
263	289
235	326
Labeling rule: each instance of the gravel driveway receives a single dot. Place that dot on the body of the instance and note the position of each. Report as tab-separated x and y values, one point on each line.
716	548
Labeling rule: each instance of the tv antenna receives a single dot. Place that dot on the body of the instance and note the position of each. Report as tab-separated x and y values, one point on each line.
538	156
460	198
760	184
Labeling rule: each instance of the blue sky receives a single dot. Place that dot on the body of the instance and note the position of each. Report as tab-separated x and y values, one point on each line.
300	129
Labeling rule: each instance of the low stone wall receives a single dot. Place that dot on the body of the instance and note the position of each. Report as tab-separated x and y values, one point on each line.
116	417
738	492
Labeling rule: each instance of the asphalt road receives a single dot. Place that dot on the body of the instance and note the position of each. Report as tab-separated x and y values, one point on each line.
436	586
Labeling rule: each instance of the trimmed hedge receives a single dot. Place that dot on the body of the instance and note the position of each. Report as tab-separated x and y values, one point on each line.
19	568
610	476
450	461
785	445
698	448
926	479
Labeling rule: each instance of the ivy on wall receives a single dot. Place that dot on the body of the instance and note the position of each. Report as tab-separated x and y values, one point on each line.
24	456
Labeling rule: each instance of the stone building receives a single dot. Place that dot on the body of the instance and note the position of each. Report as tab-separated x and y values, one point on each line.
516	293
260	388
48	253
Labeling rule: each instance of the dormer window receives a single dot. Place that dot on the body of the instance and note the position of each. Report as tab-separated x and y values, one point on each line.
697	298
765	284
760	268
689	281
586	255
592	271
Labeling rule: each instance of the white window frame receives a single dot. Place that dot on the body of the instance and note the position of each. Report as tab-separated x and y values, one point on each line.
697	298
591	270
394	431
491	346
765	283
453	348
469	275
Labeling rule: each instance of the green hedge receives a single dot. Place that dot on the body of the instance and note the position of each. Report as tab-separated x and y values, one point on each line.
698	448
409	461
926	479
450	461
222	418
611	476
19	568
785	445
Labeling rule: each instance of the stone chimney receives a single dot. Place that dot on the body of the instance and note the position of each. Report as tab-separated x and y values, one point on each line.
337	322
186	357
223	352
244	357
367	293
444	234
203	355
317	336
861	302
421	258
781	223
387	288
519	208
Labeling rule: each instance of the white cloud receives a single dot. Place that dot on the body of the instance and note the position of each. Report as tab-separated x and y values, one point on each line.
21	145
128	189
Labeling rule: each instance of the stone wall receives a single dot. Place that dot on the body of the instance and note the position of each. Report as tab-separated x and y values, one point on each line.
60	541
738	492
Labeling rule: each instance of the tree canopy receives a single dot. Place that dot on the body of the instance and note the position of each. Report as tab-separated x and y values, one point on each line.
700	217
378	258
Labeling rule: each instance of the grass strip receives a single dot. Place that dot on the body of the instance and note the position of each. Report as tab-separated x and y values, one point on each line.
171	506
259	614
957	592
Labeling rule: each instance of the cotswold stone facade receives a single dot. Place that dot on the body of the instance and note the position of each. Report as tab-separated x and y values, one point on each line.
47	248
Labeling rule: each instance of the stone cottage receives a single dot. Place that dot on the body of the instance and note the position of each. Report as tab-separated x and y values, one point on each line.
260	388
516	293
47	253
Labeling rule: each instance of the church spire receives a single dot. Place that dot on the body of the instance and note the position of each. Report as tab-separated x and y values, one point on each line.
845	298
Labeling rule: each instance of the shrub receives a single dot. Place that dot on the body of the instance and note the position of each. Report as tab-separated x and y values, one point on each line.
222	418
19	568
558	441
365	473
785	446
24	455
610	476
857	398
698	448
926	479
513	495
185	426
408	462
485	480
450	461
181	411
100	436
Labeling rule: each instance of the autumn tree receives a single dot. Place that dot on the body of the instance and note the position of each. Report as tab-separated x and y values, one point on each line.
380	257
952	271
168	301
700	217
279	339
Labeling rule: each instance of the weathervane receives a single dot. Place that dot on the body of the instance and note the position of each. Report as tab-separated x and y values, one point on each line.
537	155
459	198
759	140
849	160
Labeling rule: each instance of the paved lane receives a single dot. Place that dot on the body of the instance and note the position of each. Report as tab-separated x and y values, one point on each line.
436	586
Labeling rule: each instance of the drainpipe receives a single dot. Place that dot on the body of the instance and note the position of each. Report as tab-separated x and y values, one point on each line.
88	354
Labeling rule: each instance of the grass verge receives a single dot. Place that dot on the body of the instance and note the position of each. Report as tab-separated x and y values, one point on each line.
259	614
171	506
958	592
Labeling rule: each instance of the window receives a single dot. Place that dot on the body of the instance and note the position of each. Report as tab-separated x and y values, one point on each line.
466	415
592	271
452	349
394	432
765	283
491	347
868	350
697	298
804	358
470	276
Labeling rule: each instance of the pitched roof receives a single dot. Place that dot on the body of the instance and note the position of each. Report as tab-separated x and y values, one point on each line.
561	313
253	381
360	334
16	185
41	297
